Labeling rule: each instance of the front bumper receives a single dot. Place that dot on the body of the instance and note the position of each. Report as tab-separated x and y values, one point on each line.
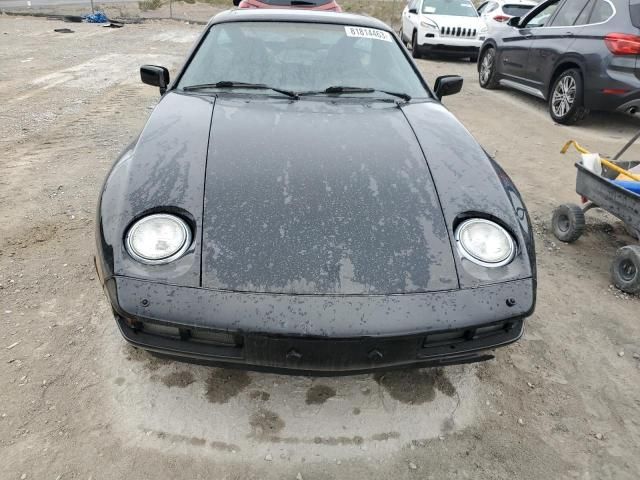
320	334
436	43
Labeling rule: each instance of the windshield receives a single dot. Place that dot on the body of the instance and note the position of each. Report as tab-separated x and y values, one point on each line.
302	57
458	8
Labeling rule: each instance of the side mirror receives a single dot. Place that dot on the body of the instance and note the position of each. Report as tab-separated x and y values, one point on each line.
413	10
513	22
236	2
447	85
155	76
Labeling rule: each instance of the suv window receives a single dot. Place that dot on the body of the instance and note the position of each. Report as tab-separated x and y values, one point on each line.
634	6
516	10
602	12
542	17
569	13
583	18
491	7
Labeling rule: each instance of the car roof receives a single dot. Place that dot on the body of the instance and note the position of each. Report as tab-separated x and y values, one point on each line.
301	16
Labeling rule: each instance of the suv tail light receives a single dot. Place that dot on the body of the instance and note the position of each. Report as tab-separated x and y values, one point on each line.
501	18
623	43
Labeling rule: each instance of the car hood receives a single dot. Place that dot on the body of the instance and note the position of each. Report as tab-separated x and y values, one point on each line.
456	21
313	197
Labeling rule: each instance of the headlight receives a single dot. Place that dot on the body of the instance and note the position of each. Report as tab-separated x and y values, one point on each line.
429	24
158	238
485	243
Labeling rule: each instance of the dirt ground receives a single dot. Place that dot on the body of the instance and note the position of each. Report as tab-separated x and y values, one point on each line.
76	402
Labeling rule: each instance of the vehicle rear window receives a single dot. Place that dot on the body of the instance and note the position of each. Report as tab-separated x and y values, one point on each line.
601	12
634	6
516	10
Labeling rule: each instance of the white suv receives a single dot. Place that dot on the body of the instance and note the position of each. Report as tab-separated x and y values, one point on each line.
496	13
443	26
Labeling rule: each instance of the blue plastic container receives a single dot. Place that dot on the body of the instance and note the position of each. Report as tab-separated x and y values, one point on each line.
629	185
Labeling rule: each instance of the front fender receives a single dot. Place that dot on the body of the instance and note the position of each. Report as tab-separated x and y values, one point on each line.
163	171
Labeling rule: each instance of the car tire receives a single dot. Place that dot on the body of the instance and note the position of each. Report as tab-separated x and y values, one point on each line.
568	222
487	71
415	48
625	269
566	98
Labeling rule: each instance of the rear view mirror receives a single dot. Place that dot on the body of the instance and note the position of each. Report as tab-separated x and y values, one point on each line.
447	85
413	10
513	22
155	76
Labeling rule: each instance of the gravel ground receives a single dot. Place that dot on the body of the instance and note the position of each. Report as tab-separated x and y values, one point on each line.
77	402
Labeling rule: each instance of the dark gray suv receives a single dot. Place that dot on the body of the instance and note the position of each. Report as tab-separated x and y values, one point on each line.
579	55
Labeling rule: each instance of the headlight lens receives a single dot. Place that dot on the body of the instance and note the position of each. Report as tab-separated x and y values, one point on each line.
429	24
158	238
485	243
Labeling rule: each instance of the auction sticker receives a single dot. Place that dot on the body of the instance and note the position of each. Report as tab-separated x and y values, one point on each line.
362	32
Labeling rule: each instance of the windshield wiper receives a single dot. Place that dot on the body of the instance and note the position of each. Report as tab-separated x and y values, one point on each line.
229	84
339	90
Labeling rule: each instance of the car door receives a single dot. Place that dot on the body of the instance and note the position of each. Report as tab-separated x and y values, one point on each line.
550	41
517	41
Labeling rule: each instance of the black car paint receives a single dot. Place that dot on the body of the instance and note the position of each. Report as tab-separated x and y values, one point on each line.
178	165
534	57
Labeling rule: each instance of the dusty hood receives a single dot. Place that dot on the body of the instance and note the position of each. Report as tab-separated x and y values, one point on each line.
316	198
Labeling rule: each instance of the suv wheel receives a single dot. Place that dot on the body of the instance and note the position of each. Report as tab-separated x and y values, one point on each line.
487	70
566	104
415	48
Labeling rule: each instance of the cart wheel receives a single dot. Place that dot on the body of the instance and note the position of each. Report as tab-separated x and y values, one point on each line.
568	222
625	269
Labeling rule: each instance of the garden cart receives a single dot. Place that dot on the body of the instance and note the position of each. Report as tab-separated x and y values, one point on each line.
611	186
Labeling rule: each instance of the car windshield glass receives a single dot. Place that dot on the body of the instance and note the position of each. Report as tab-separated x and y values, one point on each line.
301	57
516	10
458	8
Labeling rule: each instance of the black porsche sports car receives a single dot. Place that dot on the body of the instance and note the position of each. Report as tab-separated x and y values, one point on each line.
300	200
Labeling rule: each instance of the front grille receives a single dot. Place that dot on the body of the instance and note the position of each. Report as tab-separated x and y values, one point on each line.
457	32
